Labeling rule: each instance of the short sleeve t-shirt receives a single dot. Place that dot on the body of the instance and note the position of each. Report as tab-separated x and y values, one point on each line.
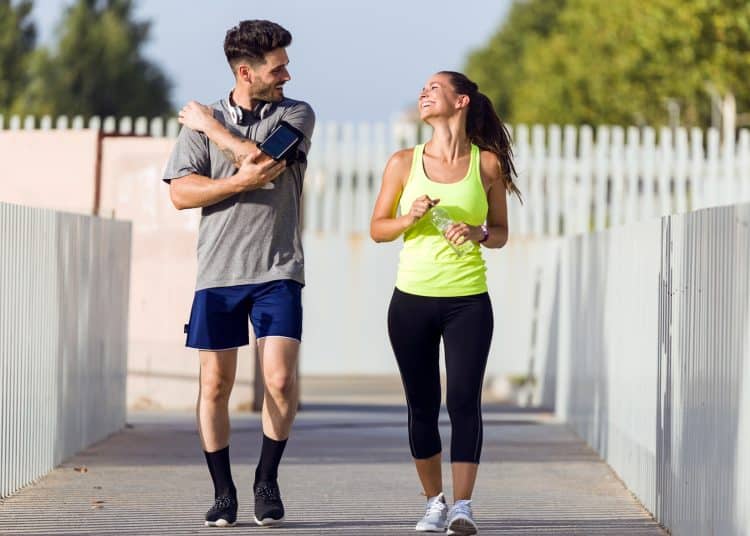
254	236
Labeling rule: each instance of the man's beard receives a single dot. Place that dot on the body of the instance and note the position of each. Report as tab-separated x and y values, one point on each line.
269	93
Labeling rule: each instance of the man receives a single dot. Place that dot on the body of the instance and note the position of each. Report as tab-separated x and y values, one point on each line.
250	259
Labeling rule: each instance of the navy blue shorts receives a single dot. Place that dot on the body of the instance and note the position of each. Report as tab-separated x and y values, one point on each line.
218	319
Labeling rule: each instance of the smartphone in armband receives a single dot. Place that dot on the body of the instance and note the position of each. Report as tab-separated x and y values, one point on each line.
282	142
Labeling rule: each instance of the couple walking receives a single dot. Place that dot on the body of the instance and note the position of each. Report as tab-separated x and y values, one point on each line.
250	265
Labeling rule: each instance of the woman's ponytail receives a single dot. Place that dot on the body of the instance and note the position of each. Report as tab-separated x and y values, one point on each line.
485	129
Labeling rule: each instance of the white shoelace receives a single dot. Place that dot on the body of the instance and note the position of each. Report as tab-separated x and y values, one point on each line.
435	506
462	507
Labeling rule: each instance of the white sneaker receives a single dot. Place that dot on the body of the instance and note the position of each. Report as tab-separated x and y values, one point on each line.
461	519
435	515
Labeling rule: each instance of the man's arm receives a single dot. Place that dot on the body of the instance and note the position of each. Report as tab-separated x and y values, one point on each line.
302	117
201	118
193	190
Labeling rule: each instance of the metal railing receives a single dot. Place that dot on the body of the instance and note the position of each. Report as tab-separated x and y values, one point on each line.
64	283
654	362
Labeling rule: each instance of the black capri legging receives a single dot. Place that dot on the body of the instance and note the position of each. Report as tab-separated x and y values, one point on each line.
415	326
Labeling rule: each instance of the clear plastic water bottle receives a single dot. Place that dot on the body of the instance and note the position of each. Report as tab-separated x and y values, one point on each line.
441	221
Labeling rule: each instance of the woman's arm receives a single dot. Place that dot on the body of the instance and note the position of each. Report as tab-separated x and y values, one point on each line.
384	225
497	214
196	116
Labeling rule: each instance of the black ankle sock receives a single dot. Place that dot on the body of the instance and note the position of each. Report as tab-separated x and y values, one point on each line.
221	473
270	457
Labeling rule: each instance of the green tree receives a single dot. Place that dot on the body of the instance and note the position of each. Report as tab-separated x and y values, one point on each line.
17	40
622	62
97	67
497	67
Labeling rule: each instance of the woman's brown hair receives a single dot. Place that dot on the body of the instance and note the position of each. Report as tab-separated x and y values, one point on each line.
485	128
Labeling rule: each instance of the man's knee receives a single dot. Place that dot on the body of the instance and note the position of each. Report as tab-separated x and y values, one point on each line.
281	383
215	388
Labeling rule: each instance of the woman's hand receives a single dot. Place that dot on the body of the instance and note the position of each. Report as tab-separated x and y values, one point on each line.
420	206
458	233
196	116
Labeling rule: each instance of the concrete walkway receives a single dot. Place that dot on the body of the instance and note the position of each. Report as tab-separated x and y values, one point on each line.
346	471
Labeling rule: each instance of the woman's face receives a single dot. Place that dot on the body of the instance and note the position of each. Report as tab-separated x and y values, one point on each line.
437	98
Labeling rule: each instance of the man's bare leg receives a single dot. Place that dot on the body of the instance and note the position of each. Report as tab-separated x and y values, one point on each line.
278	360
217	373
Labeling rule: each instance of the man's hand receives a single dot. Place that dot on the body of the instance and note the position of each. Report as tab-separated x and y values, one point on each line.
196	116
256	171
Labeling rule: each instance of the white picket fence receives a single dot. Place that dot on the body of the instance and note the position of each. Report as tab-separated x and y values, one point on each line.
574	179
157	127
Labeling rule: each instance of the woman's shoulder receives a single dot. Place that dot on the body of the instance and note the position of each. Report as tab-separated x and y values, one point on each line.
402	158
398	168
488	158
489	167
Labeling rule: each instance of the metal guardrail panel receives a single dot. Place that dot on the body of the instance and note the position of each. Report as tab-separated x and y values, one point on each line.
654	362
64	283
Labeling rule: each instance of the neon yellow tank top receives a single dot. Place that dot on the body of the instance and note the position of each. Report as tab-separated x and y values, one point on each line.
427	265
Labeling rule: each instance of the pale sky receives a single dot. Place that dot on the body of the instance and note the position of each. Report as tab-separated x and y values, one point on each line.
351	60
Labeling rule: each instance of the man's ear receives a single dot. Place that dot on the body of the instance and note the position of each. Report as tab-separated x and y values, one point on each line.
245	73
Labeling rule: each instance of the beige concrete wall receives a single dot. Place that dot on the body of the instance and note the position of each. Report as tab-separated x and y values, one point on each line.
49	169
350	280
161	371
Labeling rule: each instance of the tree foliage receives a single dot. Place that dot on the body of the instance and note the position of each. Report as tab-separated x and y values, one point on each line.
17	40
497	67
616	62
96	67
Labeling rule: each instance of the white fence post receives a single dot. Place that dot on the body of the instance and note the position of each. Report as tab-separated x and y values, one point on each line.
380	157
524	181
728	181
601	175
346	190
633	168
538	206
648	177
553	182
695	174
583	192
331	171
665	167
680	171
617	177
363	171
569	191
711	173
743	165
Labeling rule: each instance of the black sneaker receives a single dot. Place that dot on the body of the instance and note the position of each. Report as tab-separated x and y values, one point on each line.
223	513
269	510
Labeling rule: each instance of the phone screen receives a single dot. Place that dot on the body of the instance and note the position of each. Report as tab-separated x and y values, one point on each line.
276	144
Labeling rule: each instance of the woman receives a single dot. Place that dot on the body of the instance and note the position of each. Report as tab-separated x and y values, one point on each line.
467	168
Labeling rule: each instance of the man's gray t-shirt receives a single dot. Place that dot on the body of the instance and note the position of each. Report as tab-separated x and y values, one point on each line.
254	236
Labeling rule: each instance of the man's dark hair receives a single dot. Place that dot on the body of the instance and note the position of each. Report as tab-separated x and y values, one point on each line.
250	40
